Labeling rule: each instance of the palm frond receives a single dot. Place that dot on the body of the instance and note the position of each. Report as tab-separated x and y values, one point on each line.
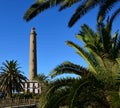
113	17
55	87
86	56
40	6
55	100
82	9
68	67
35	9
90	39
60	83
106	37
115	45
67	3
75	92
86	34
105	7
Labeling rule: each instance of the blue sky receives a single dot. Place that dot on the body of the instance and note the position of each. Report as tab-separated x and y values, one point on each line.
52	32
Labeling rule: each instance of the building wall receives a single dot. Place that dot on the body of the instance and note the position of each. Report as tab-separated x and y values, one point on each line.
32	87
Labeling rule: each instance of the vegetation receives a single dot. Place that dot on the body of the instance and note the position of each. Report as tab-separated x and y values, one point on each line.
85	6
26	95
95	87
11	78
43	80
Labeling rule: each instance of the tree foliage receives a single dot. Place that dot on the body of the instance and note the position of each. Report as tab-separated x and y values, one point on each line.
105	6
11	78
96	86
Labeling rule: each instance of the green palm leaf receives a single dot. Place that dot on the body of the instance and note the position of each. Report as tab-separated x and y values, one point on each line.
68	67
87	57
105	7
85	7
35	9
68	3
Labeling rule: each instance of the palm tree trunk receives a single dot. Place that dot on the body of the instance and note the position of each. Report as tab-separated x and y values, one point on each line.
108	99
10	89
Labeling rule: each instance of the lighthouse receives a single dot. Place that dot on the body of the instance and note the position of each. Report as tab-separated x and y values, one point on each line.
32	85
33	55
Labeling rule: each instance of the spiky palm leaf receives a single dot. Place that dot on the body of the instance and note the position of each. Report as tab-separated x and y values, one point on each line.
68	67
85	6
41	5
82	9
105	7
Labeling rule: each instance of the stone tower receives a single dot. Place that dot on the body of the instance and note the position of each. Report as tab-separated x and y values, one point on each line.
33	55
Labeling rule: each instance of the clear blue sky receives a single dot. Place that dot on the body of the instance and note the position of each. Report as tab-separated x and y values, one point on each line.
52	32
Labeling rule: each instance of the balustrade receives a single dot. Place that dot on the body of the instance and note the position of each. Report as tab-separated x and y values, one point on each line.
17	102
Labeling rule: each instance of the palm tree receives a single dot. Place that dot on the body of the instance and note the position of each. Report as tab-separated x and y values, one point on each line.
98	86
104	50
83	90
11	78
85	6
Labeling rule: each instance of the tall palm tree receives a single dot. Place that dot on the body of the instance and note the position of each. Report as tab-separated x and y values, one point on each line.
11	78
85	6
98	86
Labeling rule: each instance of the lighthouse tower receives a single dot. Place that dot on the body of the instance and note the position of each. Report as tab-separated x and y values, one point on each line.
32	85
33	55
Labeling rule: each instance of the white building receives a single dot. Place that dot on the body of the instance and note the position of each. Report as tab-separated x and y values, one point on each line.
32	87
